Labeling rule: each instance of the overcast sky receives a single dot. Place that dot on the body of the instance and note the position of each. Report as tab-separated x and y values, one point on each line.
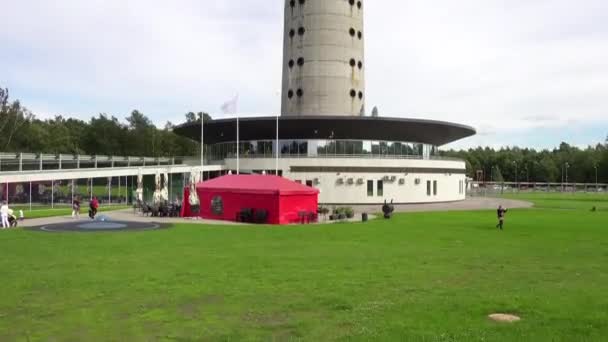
522	72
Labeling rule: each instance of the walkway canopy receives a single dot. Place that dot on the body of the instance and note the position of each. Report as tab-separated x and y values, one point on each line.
283	201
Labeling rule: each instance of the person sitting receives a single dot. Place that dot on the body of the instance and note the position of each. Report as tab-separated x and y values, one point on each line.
12	219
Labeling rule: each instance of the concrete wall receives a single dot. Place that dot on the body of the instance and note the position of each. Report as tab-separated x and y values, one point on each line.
410	187
319	31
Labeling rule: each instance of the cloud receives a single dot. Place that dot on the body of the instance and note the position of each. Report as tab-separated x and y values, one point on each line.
507	68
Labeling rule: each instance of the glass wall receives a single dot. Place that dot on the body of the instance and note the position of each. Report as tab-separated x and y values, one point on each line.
323	148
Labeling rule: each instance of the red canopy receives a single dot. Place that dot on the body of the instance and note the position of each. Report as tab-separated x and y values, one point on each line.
285	201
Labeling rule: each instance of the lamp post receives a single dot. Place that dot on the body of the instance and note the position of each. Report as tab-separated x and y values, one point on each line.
596	183
516	176
566	167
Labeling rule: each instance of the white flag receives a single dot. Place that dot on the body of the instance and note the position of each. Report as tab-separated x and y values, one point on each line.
230	107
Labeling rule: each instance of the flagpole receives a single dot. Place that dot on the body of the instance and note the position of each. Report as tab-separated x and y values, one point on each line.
237	145
202	148
276	171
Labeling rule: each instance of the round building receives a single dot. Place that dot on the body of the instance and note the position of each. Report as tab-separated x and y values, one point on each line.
324	139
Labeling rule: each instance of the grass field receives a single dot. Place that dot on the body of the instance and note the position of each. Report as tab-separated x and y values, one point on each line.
419	277
584	201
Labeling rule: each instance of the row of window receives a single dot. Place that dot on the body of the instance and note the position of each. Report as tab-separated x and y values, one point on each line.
352	3
300	62
292	3
301	31
321	148
353	94
298	93
353	32
380	188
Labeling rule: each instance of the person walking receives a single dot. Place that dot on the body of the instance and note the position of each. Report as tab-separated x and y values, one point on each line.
76	209
4	215
500	212
93	207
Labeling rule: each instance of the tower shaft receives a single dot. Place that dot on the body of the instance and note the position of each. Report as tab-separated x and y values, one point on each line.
323	58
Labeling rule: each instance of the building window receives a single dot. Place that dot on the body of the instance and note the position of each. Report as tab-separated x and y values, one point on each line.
360	95
301	61
292	33
351	2
352	32
309	183
428	188
303	1
290	93
434	188
292	3
360	35
353	93
353	62
370	188
301	31
360	65
299	92
291	63
380	188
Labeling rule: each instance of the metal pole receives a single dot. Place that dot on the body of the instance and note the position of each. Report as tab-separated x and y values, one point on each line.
562	178
119	193
202	147
30	196
567	167
596	184
277	150
91	190
52	194
72	192
238	168
109	190
7	193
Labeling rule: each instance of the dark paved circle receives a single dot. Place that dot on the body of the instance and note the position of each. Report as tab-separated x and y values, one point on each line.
99	226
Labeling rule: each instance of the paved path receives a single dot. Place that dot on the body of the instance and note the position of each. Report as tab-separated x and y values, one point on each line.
120	215
476	203
473	203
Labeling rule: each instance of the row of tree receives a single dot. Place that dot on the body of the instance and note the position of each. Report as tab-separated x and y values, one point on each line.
566	163
22	131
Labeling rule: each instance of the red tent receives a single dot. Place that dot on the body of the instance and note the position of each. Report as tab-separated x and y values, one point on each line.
284	201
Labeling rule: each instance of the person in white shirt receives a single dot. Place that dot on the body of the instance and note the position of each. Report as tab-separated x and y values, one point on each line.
4	215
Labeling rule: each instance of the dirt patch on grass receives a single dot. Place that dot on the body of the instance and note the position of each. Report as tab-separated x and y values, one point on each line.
504	318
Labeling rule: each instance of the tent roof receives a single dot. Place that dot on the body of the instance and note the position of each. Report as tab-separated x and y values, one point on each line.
266	184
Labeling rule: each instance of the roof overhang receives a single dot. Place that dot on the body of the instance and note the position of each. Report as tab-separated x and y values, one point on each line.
436	133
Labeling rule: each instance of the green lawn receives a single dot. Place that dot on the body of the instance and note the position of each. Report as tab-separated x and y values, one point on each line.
584	201
40	212
419	277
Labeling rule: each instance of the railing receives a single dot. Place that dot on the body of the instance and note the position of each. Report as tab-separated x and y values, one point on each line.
12	162
345	156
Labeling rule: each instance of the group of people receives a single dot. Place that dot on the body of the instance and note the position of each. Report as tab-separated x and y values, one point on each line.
7	215
93	206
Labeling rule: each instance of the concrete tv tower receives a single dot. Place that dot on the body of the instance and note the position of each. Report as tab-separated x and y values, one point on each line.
323	58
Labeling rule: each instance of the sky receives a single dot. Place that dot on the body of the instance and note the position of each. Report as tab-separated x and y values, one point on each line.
530	73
